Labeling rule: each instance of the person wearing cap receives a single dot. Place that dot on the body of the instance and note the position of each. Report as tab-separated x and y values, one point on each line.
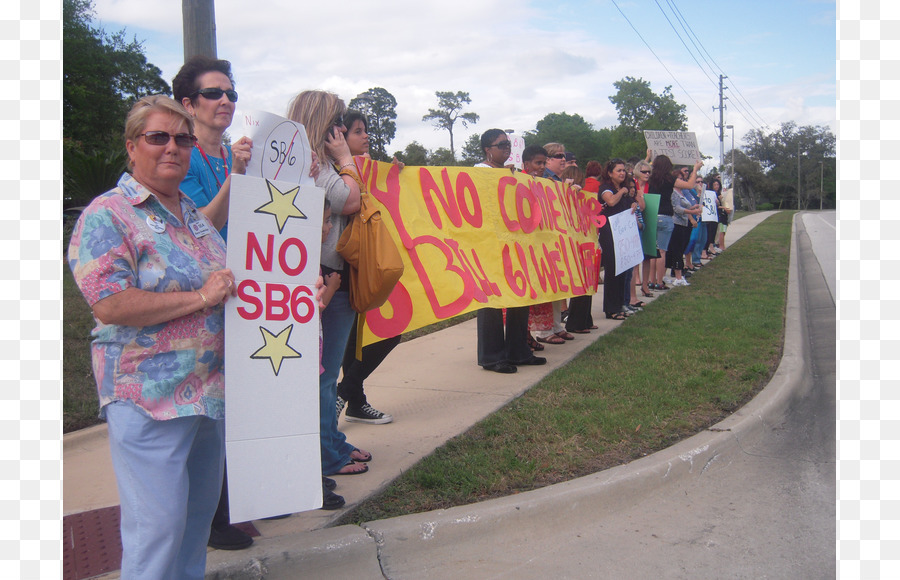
570	159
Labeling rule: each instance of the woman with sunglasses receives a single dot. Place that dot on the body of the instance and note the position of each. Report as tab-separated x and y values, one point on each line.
322	114
206	89
501	349
152	267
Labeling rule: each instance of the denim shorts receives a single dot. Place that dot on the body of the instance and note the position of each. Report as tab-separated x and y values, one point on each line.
664	227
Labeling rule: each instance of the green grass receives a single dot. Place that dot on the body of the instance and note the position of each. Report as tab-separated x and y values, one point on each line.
694	356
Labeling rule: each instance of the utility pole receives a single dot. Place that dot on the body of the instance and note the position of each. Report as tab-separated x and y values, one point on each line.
721	125
798	175
199	19
821	182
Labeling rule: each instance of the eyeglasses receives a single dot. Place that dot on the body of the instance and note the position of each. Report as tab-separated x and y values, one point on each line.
501	145
559	156
161	138
215	93
645	171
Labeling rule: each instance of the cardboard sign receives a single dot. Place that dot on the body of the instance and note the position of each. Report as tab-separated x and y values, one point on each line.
472	238
627	241
272	348
680	147
708	201
281	148
651	213
515	155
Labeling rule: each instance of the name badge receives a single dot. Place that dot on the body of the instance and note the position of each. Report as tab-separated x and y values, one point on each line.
200	228
156	223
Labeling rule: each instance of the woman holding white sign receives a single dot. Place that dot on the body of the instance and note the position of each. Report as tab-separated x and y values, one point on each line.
613	193
322	114
152	267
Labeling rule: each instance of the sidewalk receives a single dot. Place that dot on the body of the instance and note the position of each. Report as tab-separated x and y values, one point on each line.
430	404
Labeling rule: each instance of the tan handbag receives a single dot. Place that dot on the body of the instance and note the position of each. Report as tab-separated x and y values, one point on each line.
375	262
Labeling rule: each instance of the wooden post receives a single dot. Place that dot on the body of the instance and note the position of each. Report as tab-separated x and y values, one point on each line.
199	18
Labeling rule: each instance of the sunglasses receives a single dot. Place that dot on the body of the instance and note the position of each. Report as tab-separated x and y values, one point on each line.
501	145
339	121
559	156
215	93
161	138
645	171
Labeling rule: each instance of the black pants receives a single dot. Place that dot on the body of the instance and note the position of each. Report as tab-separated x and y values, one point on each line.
357	371
580	313
681	235
495	345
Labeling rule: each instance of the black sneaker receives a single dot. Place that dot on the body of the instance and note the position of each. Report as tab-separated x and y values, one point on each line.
328	483
331	500
367	414
228	537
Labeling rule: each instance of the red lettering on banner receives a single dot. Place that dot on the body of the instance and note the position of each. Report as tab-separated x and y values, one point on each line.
460	303
447	200
277	308
401	304
253	247
505	182
515	279
523	262
524	196
474	216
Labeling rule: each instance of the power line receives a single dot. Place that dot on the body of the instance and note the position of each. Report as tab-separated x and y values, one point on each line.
699	108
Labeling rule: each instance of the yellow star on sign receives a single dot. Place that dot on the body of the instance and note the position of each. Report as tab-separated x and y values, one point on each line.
276	348
282	205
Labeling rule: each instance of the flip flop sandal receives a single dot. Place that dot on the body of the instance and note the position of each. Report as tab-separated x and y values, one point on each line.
552	339
565	335
352	468
638	304
360	456
533	344
616	316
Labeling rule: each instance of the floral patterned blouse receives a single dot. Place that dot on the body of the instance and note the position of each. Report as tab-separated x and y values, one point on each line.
127	239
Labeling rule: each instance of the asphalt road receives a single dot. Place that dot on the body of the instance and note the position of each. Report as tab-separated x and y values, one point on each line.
766	513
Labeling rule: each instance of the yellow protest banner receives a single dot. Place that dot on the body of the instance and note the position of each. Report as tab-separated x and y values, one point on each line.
474	237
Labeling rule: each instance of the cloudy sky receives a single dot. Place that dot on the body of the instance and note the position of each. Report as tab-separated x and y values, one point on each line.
518	61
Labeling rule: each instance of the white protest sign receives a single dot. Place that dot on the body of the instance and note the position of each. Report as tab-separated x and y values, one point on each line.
515	156
681	147
272	348
708	201
281	148
626	240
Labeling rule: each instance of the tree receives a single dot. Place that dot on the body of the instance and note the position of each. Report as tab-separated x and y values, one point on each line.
640	109
449	111
472	153
790	149
574	132
441	157
414	154
379	106
103	75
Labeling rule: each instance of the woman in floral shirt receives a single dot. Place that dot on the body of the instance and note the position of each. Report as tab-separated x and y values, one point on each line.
153	269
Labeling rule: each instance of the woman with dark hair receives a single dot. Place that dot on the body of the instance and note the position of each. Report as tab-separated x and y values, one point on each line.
501	351
350	390
662	182
715	185
496	147
580	320
205	87
322	114
614	194
683	208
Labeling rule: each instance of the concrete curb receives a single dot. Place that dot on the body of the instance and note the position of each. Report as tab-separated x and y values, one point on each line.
475	537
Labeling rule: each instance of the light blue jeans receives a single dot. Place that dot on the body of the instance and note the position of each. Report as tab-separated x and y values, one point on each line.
337	322
169	474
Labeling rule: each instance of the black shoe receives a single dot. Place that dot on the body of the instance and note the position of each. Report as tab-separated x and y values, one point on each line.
228	537
328	483
535	360
501	367
331	500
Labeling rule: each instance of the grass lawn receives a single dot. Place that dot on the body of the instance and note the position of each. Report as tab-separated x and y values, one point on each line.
693	357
